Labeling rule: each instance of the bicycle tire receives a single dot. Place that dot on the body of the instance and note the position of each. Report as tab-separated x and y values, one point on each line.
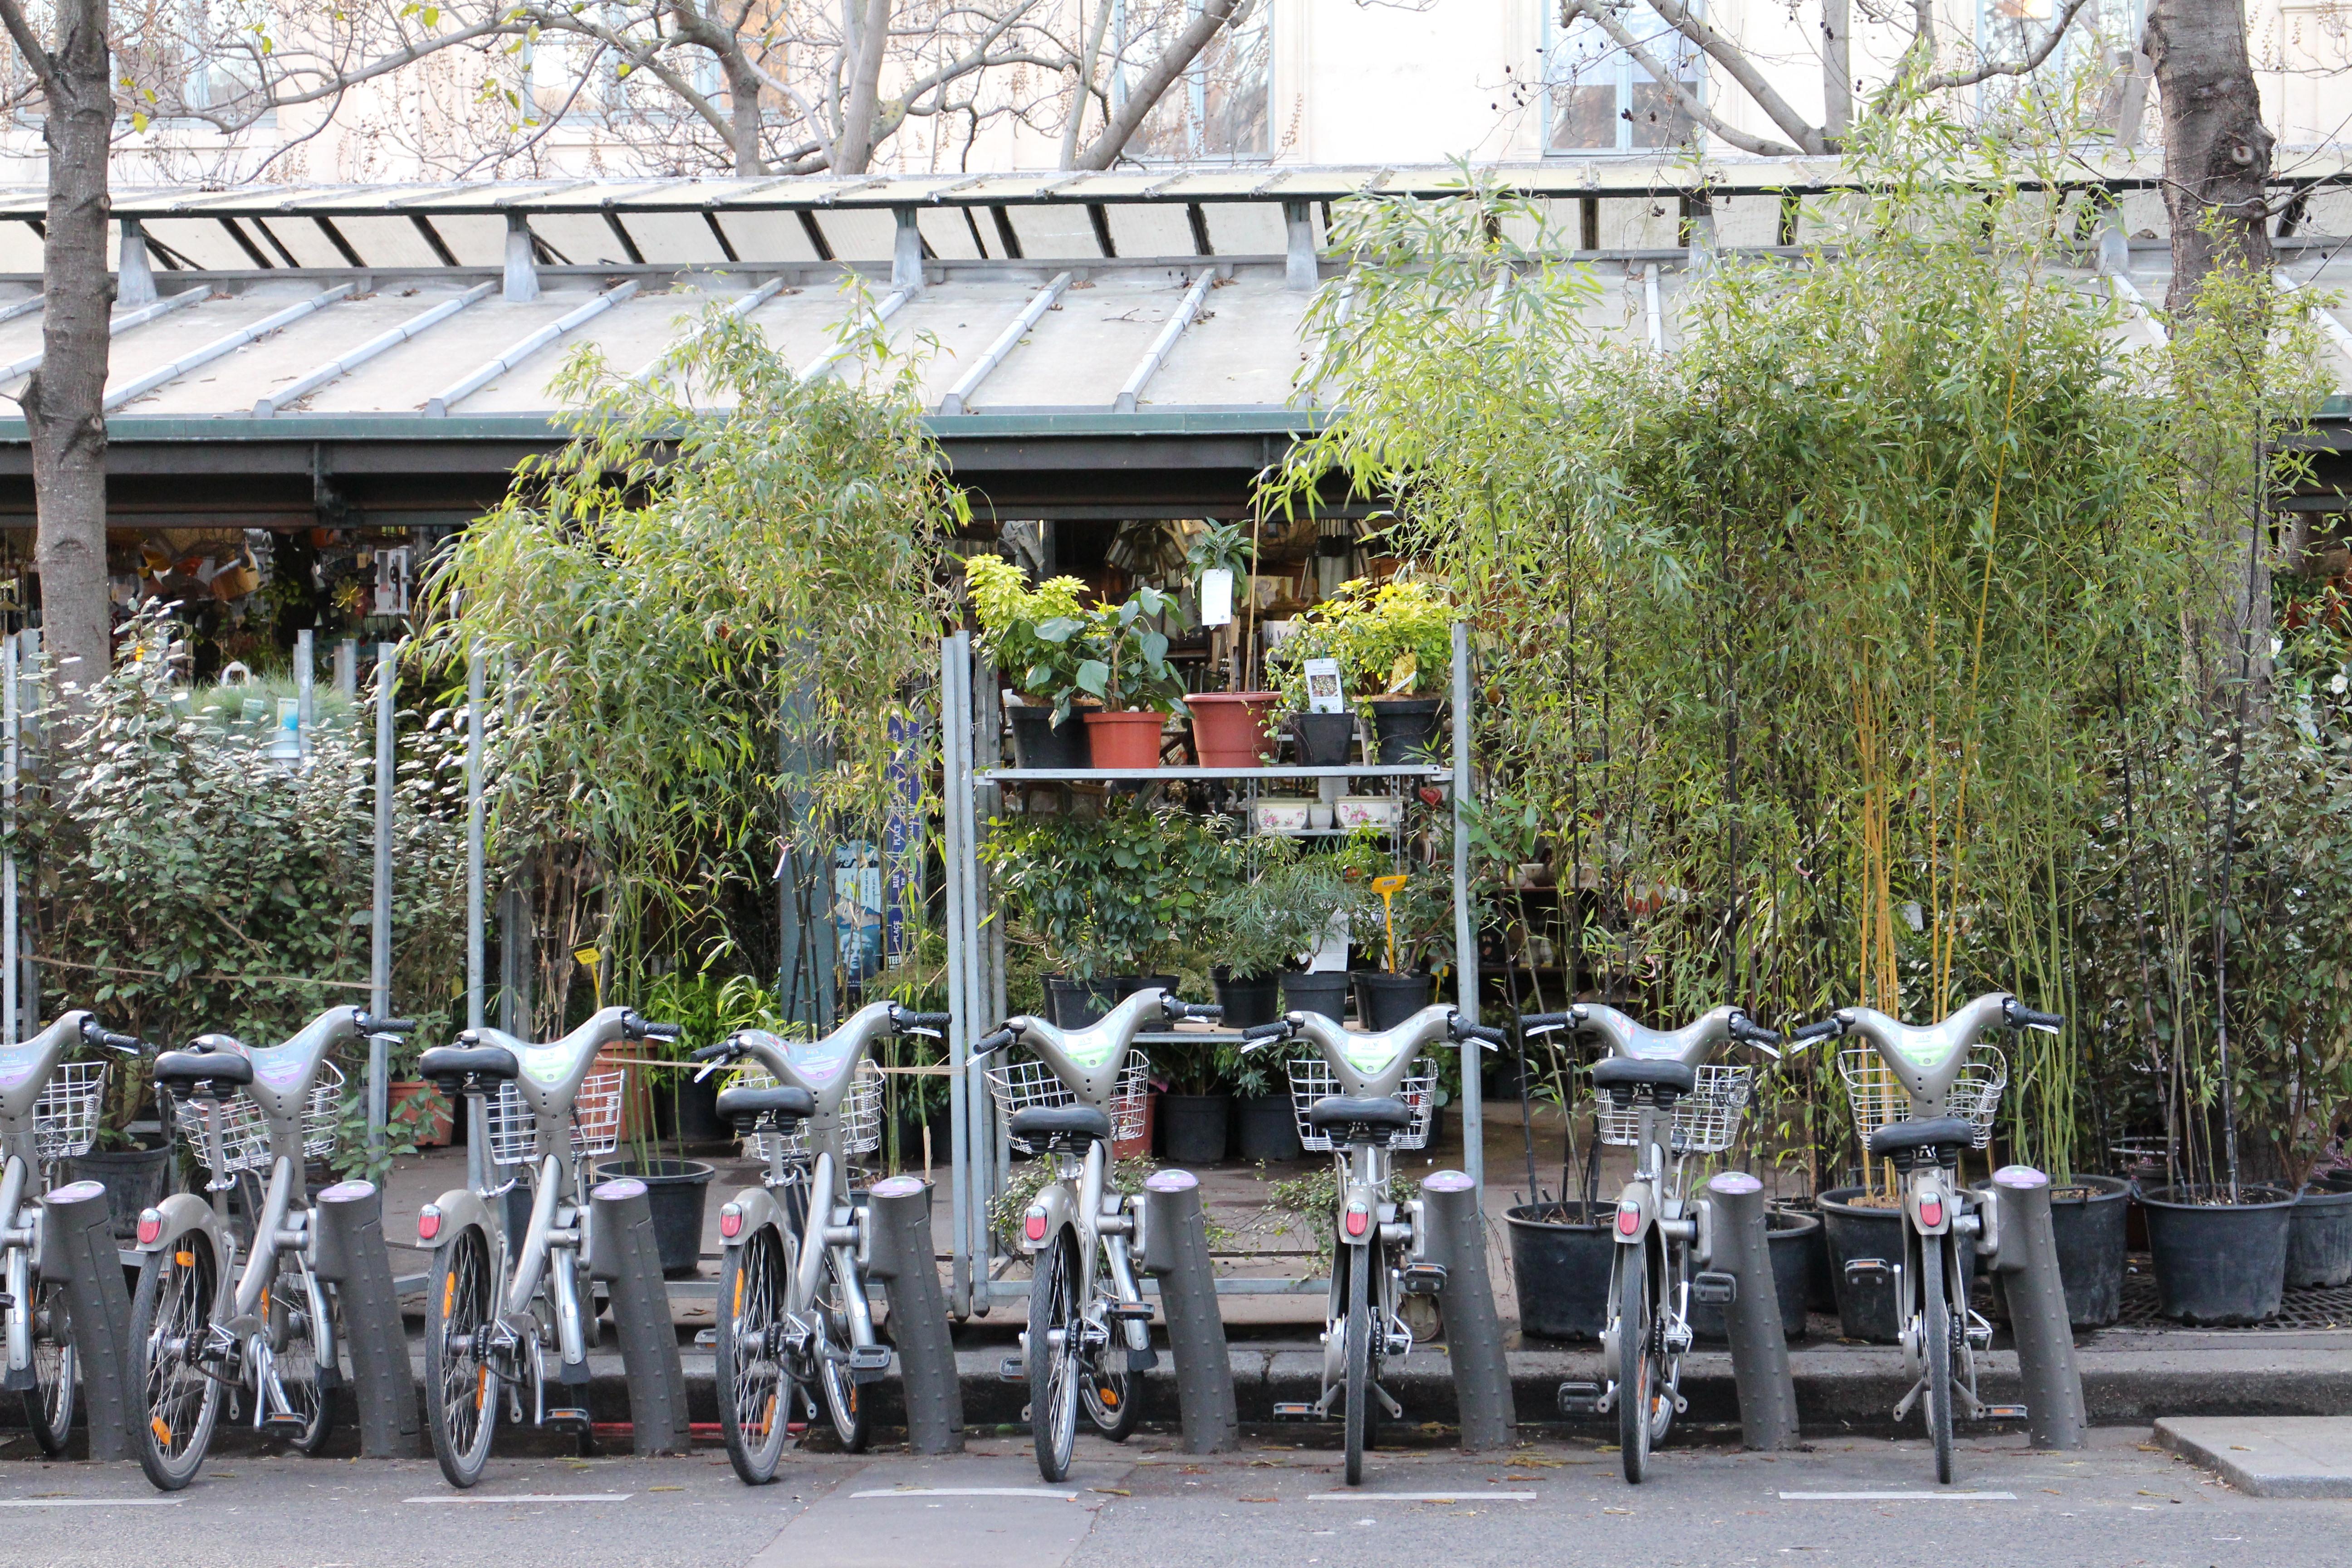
1936	1329
1634	1361
844	1403
294	1330
50	1403
461	1387
1358	1351
755	1400
1113	1399
1053	1374
175	1306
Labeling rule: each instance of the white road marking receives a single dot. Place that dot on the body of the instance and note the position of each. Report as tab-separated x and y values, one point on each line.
1898	1497
93	1502
970	1492
524	1496
1421	1497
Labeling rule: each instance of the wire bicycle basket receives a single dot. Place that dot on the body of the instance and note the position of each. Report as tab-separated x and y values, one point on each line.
1705	1120
1311	1079
245	1132
1030	1084
1878	1098
595	1120
64	1117
861	1118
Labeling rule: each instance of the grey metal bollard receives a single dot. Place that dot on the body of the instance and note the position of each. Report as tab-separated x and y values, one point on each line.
77	1251
623	1255
900	1210
347	1249
1454	1235
1176	1252
1760	1349
2027	1260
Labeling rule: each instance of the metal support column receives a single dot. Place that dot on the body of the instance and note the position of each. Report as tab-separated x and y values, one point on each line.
1465	921
1453	1236
1176	1252
474	890
2027	1261
954	661
980	1139
1759	1350
387	676
306	690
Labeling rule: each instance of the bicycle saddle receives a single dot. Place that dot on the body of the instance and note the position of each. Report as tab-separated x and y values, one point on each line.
1662	1076
218	1069
1365	1119
458	1069
1935	1132
1061	1127
773	1104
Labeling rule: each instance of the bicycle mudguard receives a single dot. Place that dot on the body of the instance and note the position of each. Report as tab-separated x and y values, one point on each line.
1054	1206
177	1215
746	1212
1637	1211
452	1212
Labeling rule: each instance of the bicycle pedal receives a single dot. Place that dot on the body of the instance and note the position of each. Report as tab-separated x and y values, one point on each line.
1715	1289
1423	1279
1296	1411
1866	1270
2003	1412
566	1418
1584	1399
284	1424
1128	1311
869	1358
1013	1368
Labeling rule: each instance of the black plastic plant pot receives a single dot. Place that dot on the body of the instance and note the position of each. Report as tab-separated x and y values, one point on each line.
2088	1217
1324	739
1866	1304
1074	1004
1384	1000
2218	1262
677	1191
1819	1295
1039	742
2319	1240
1788	1238
1123	986
1560	1263
1405	727
1193	1127
1266	1128
135	1180
1247	1003
694	1110
1323	991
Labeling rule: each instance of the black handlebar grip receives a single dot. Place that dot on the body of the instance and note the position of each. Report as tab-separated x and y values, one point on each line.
2021	1016
1266	1032
1530	1022
925	1020
995	1042
1493	1036
129	1043
665	1031
386	1026
719	1052
1209	1011
1753	1033
1826	1029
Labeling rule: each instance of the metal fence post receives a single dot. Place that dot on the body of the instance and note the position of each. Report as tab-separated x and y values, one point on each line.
900	1210
2027	1260
623	1255
348	1250
1760	1349
11	1010
1453	1236
306	690
387	676
1176	1250
1465	924
475	939
77	1250
962	1025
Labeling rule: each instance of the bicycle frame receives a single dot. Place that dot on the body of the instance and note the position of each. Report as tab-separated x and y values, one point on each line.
25	1071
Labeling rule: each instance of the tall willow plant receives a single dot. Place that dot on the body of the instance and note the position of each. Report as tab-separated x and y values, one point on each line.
712	633
1797	637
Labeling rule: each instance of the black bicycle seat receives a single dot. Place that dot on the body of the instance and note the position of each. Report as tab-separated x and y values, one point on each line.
1935	1132
1060	1126
1652	1073
451	1067
747	1106
186	1070
1361	1119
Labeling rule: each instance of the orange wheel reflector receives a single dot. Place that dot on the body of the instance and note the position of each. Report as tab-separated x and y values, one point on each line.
156	1425
449	1293
767	1416
184	1259
1108	1396
481	1386
737	1308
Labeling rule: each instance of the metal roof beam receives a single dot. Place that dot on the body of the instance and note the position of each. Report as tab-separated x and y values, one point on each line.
23	308
735	312
224	345
438	406
1006	341
304	385
2334	328
115	329
523	261
1165	343
823	363
2134	302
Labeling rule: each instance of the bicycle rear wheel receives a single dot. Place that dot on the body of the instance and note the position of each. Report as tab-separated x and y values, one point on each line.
754	1395
1936	1329
296	1312
171	1323
1357	1421
461	1389
1636	1367
1053	1370
50	1403
853	1425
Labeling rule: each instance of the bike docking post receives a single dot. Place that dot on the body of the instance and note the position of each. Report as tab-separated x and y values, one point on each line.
1176	1253
2026	1259
348	1252
77	1251
1454	1235
900	1210
1760	1349
623	1256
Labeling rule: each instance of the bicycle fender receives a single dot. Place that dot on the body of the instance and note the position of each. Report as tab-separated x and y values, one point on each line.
457	1208
746	1212
1054	1207
1637	1211
173	1218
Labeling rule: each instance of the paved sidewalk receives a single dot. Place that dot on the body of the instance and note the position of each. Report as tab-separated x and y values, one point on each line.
2281	1456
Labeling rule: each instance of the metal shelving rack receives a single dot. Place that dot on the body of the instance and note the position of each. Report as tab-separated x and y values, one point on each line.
979	1157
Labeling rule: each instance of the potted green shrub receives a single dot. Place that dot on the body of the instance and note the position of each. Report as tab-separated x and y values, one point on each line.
1229	728
1393	642
1123	665
1408	929
1260	930
1031	636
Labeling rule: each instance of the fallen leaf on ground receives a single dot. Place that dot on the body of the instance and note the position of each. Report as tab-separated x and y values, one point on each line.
1616	1510
1258	1499
665	1488
1112	1492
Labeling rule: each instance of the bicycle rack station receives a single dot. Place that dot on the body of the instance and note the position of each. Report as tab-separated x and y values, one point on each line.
347	1251
900	1210
2026	1264
1176	1254
1759	1350
77	1251
1474	1332
624	1258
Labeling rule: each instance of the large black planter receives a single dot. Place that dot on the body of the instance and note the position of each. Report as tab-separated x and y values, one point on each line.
135	1180
677	1191
1039	742
1384	1000
1325	740
694	1108
1788	1238
1323	991
1819	1295
2219	1263
1266	1128
1867	1308
1247	1003
2088	1217
1074	1004
1560	1263
1405	727
2319	1240
1193	1127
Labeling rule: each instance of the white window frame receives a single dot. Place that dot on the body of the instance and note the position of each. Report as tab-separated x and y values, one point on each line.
1195	86
1625	76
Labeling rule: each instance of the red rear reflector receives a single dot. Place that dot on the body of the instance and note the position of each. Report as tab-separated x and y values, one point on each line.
1033	1225
730	1221
1629	1220
1931	1211
1358	1222
151	1226
428	1222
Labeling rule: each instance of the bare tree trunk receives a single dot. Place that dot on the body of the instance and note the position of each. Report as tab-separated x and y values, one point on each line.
2216	153
1078	97
1162	72
855	147
1837	67
64	402
743	107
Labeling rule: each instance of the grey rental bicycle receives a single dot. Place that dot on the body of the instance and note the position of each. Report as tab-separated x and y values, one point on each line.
1656	1091
794	1318
491	1313
220	1314
1083	1088
1921	1096
1362	1097
48	1111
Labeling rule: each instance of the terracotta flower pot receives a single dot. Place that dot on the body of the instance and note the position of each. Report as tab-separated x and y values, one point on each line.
1232	729
432	1129
1124	740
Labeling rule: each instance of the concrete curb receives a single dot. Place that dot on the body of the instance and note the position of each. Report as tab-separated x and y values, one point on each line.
2301	1457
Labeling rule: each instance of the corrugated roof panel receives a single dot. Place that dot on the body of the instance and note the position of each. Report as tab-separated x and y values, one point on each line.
158	343
399	379
767	235
305	238
580	238
951	326
232	385
1640	223
474	241
205	242
948	233
858	234
1151	230
1247	228
389	242
1054	233
630	335
1081	354
1243	348
679	239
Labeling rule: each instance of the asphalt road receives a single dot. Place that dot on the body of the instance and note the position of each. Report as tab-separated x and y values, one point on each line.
1275	1503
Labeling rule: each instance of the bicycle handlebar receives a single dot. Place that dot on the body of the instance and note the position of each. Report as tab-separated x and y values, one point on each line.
717	1053
917	1021
1827	1029
1279	1031
988	1043
1484	1034
1749	1032
2018	1016
1544	1023
638	1027
1209	1011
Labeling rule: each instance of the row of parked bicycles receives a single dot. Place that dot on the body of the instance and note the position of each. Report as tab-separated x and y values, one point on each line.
231	1317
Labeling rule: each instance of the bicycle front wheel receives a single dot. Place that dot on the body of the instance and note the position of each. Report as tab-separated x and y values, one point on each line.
754	1395
1936	1329
1054	1368
171	1326
1357	1422
461	1389
296	1311
1636	1367
852	1424
50	1403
